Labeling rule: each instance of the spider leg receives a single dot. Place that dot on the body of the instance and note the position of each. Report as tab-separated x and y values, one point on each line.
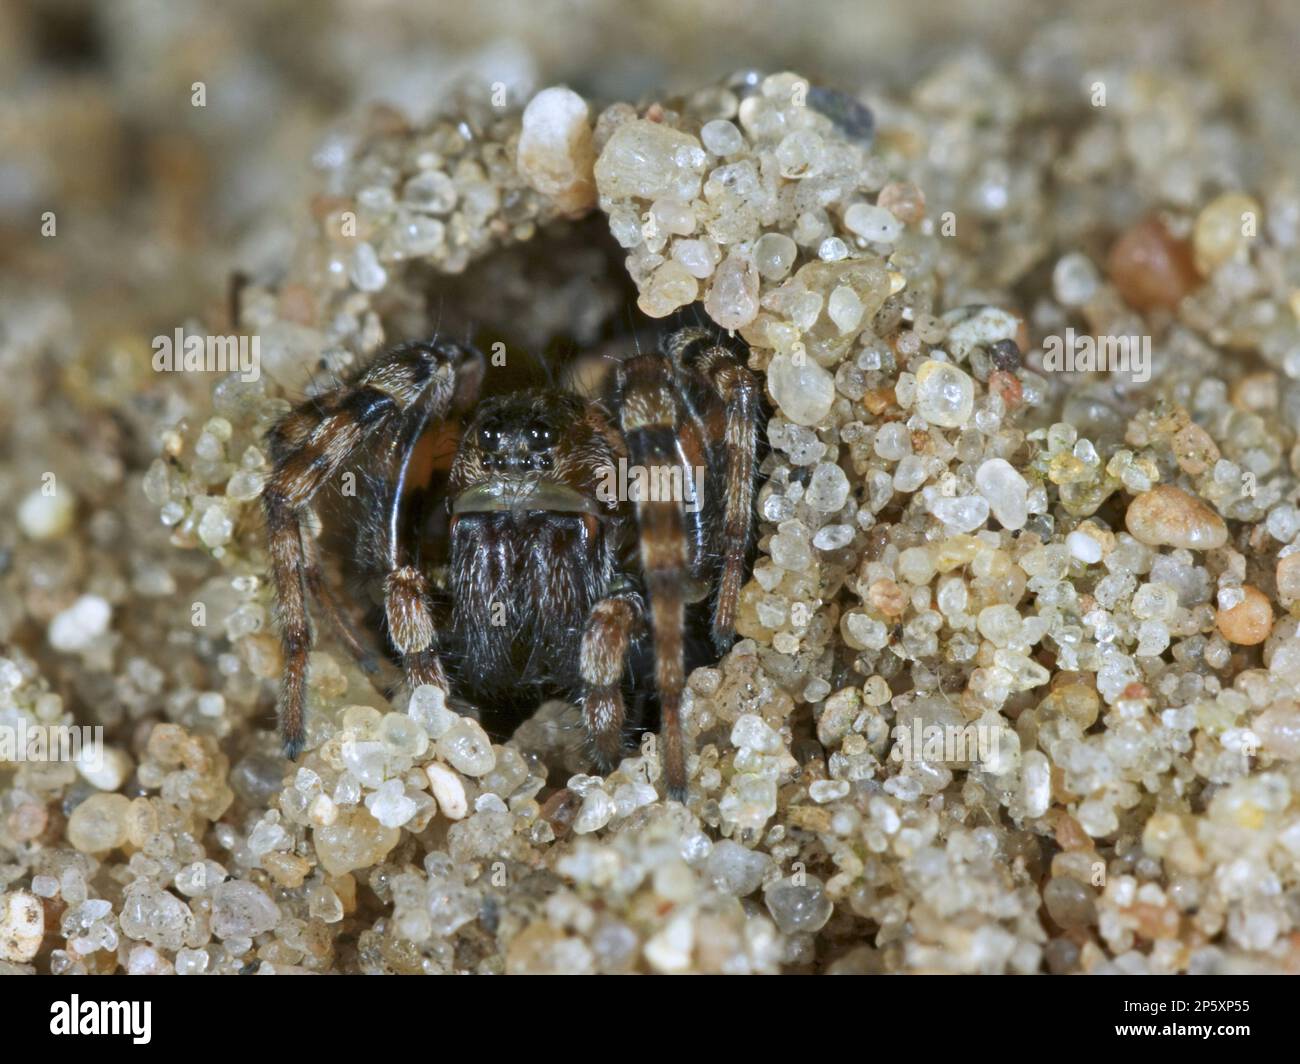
601	663
648	418
406	588
308	448
724	372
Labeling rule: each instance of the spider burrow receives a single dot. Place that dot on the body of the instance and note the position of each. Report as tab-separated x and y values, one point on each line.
556	586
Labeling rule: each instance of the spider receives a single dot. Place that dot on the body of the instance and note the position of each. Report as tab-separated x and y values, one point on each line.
557	585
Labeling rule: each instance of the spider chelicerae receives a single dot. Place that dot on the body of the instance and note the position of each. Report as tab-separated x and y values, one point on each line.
558	584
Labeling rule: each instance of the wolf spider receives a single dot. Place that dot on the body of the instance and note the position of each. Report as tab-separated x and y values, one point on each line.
557	587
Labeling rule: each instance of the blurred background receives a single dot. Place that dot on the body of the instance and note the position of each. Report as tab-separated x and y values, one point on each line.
149	149
157	200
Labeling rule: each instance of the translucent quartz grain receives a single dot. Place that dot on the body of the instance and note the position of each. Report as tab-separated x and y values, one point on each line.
697	257
945	395
774	255
801	388
431	192
963	513
874	224
722	137
732	300
670	286
649	160
99	823
1006	491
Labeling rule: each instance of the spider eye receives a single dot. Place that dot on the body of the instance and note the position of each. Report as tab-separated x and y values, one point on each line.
489	438
540	436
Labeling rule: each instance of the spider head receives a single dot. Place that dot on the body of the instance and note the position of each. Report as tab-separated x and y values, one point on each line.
529	451
515	441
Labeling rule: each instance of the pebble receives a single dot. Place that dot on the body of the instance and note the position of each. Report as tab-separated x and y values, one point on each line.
945	395
1167	516
77	627
106	768
355	840
802	389
241	909
962	513
1288	579
448	789
1220	231
365	271
1069	902
1150	268
555	150
798	907
823	791
799	154
99	824
430	192
673	216
467	748
1250	621
874	224
735	869
699	258
844	308
44	517
1075	280
752	732
671	286
774	255
597	810
649	160
367	760
428	708
722	137
22	926
833	537
828	488
1278	729
852	118
1084	547
670	950
978	326
216	526
1006	490
1035	783
732	300
390	805
903	200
